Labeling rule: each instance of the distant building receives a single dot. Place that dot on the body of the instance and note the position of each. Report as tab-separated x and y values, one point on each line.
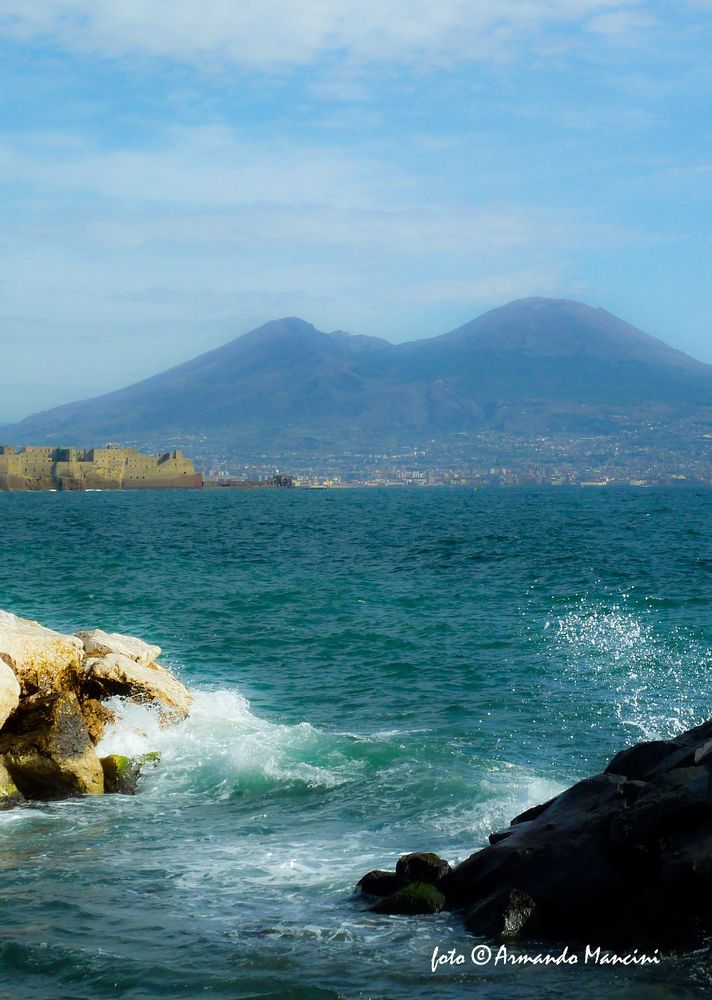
110	468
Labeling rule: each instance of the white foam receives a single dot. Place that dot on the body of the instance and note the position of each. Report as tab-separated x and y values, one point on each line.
221	741
505	790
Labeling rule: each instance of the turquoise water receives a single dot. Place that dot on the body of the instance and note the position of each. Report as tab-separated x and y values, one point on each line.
375	672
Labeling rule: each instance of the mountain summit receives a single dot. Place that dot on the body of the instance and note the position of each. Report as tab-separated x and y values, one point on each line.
561	327
533	366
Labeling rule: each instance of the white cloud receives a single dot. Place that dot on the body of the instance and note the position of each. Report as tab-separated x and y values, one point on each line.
621	26
208	191
273	33
206	234
211	166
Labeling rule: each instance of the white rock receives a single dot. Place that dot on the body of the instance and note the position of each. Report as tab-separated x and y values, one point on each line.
41	659
98	643
9	692
115	674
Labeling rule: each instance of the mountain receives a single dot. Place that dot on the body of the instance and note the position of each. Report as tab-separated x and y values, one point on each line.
533	366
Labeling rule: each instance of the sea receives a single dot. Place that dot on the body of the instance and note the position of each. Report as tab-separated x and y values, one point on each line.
374	672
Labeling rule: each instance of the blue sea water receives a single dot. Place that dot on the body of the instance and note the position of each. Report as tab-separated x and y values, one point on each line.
374	672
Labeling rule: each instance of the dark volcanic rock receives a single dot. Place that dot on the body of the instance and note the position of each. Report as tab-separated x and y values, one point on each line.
506	914
620	859
674	804
639	761
380	883
422	867
499	835
418	897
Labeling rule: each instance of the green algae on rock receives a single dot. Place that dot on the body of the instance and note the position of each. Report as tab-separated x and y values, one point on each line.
121	774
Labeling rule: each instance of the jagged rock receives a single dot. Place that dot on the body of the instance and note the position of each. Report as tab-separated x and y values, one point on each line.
9	794
623	859
96	718
417	897
649	760
508	914
560	858
115	674
499	835
422	867
532	813
96	642
42	660
637	762
675	803
121	774
9	692
48	751
380	883
51	713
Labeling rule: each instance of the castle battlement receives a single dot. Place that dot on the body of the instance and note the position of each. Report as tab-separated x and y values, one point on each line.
51	468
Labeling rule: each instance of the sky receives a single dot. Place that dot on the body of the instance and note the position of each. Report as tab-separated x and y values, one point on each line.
176	172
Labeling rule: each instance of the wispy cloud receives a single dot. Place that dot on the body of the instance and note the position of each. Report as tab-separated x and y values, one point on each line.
622	26
272	33
205	234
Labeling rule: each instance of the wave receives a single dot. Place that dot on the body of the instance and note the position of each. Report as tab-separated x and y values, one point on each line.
222	743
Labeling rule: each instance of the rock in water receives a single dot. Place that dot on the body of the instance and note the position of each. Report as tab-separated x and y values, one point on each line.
96	642
48	751
9	795
42	660
104	676
121	774
622	859
9	692
507	914
418	897
52	715
380	883
411	888
422	867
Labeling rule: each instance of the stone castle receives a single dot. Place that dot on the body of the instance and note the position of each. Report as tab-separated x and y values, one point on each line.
110	468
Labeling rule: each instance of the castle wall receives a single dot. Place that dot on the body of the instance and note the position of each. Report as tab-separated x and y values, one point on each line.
42	468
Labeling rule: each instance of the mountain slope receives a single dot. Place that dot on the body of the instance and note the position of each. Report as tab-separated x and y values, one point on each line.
538	327
535	365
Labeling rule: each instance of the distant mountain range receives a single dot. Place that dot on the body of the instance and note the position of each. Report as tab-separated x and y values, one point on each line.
535	366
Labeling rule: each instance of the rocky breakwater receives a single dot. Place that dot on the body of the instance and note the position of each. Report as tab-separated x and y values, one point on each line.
53	689
623	858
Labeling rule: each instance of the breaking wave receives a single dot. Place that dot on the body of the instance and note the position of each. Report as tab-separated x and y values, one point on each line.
222	743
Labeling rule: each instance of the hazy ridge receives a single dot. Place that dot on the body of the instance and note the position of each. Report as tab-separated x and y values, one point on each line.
532	366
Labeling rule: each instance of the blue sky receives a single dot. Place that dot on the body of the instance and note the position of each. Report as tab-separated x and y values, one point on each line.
176	172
